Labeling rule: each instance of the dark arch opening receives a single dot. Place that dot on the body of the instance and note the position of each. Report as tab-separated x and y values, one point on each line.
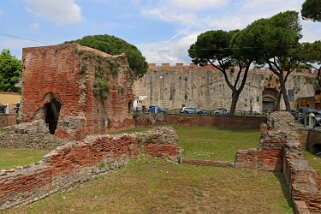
129	106
52	110
269	100
316	149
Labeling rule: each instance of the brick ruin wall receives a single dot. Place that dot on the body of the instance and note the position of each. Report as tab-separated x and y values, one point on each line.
204	87
69	72
80	161
314	141
146	120
280	149
8	120
31	135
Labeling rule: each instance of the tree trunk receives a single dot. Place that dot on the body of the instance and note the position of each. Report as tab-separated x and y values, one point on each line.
278	101
284	92
318	88
235	98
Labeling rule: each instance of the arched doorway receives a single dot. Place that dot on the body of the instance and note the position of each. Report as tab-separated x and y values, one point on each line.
316	149
269	100
52	110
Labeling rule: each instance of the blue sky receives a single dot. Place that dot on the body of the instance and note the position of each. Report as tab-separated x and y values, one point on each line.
162	29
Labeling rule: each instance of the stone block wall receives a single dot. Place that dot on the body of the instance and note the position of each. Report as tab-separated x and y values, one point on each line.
81	161
8	120
170	86
94	89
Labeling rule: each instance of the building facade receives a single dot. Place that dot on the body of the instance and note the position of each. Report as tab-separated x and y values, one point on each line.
204	87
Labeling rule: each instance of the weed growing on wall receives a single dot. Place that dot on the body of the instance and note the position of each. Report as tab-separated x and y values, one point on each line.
103	69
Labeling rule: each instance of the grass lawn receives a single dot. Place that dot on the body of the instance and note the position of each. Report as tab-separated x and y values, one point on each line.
12	157
211	143
150	185
313	160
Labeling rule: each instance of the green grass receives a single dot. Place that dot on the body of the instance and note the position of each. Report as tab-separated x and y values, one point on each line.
12	157
149	185
313	160
206	143
211	143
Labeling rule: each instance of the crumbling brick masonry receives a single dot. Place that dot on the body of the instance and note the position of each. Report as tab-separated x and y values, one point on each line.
81	161
77	90
280	149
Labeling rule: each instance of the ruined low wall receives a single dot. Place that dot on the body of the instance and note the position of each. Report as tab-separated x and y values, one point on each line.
81	161
145	120
280	149
8	120
314	141
33	135
303	181
268	156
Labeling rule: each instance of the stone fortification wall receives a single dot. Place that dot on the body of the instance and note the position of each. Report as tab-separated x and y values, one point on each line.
93	88
280	149
81	161
204	87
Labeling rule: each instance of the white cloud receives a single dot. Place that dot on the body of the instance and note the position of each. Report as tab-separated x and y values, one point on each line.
172	51
268	5
198	5
171	16
311	31
15	46
201	15
58	11
35	27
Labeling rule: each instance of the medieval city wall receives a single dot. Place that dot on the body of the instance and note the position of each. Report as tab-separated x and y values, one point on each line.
204	87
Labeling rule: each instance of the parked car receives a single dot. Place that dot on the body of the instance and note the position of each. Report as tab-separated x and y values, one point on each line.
317	114
301	113
191	110
156	109
293	112
220	111
2	109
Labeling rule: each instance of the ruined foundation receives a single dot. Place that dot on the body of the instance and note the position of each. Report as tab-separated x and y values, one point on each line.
77	162
280	150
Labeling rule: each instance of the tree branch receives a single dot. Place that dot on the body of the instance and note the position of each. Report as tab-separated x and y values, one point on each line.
225	77
272	68
238	76
245	76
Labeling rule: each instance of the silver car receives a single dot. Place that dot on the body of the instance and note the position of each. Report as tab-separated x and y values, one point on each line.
191	110
220	111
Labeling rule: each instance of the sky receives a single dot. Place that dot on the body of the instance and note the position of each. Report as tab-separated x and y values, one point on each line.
162	29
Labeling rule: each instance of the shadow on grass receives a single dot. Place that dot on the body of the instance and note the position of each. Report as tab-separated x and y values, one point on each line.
285	189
